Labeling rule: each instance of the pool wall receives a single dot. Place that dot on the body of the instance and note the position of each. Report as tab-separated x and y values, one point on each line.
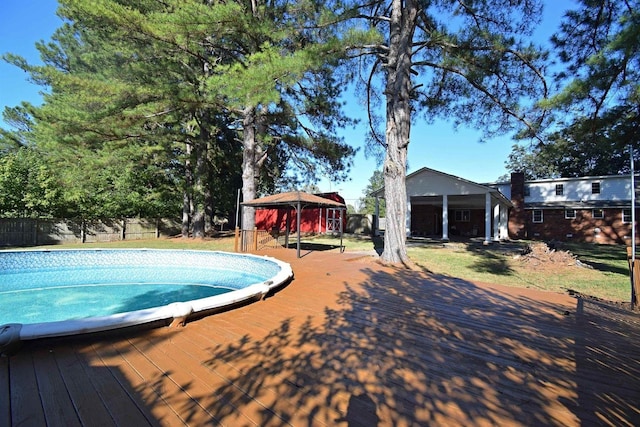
277	271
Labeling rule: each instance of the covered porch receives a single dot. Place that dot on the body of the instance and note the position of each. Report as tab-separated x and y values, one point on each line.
443	206
451	216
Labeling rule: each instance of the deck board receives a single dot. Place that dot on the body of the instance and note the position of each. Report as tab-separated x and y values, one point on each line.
26	407
138	372
349	342
5	393
117	400
57	404
87	403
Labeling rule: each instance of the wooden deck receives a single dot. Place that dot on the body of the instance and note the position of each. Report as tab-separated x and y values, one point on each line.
346	343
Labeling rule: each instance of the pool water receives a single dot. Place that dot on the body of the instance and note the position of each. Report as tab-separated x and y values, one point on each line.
40	305
40	287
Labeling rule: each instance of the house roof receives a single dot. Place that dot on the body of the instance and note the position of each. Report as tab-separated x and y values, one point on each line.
453	185
292	198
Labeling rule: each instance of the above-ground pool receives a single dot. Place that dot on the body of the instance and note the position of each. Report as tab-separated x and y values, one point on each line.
64	292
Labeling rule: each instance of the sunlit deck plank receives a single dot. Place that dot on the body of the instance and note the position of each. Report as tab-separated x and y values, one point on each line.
141	379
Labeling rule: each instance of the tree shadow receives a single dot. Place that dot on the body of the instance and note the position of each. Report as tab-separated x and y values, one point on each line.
491	259
492	263
80	381
391	347
405	349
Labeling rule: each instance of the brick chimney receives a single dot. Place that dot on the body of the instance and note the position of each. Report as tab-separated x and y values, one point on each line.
517	216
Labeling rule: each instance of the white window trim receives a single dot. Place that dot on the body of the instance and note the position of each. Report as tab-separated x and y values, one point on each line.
593	214
629	216
533	216
566	216
599	187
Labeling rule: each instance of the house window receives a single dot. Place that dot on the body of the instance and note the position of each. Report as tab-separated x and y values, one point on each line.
559	189
626	215
462	215
598	213
595	188
570	214
537	215
527	191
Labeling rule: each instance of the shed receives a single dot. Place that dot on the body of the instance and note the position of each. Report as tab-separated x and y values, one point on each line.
280	207
317	218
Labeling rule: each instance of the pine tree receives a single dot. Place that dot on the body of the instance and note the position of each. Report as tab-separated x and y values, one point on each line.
191	85
466	61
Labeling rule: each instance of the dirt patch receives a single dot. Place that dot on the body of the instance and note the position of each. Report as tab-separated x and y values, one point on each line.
541	255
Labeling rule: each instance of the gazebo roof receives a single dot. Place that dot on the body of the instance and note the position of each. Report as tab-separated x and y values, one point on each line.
292	198
298	200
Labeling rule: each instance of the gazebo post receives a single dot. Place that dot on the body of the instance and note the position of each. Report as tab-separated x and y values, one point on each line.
298	226
287	228
341	230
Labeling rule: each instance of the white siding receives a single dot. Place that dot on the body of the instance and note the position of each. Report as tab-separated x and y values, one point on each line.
579	189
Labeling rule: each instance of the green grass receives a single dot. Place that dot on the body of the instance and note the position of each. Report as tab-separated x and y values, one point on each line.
608	277
606	274
216	244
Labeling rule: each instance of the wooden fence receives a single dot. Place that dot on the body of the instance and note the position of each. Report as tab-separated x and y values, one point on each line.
255	240
32	232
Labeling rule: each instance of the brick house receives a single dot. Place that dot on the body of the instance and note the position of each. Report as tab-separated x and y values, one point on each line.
588	209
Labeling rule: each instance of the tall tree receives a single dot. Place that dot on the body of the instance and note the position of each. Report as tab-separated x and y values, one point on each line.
597	110
28	186
176	77
453	59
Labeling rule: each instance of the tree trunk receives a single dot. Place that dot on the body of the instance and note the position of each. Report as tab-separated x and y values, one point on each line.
186	194
249	144
198	214
398	94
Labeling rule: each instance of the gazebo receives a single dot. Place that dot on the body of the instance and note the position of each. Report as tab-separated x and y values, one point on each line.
297	200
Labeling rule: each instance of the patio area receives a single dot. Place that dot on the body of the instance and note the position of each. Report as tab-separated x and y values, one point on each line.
347	343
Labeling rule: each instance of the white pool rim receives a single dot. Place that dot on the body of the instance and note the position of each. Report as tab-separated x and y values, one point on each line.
179	311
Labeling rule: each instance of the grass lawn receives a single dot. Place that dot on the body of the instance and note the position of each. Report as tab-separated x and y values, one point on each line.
606	274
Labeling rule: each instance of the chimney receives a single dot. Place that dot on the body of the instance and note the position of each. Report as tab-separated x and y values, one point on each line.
517	216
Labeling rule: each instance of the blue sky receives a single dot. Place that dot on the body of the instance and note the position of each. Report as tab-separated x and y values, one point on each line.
437	146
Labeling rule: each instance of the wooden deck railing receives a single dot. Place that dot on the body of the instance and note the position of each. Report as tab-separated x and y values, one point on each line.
255	240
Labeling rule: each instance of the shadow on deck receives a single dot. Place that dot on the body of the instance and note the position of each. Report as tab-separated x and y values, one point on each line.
350	342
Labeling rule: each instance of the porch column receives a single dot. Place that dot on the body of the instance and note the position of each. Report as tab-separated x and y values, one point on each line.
496	223
407	220
504	222
445	217
487	218
376	218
